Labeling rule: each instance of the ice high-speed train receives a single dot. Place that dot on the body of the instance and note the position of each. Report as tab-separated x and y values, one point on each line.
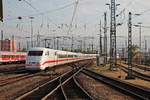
41	58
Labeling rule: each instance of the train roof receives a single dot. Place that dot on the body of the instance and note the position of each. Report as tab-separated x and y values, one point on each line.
40	49
59	51
52	50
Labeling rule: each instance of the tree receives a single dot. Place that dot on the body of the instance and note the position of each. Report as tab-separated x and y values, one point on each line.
135	50
137	56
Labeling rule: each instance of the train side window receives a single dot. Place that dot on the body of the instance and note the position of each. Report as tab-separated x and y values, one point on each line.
70	56
22	56
2	56
35	53
62	56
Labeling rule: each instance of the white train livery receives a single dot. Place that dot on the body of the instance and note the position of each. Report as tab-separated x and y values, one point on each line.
41	58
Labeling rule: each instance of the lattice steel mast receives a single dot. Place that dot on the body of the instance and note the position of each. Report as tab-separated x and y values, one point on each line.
105	37
130	76
113	36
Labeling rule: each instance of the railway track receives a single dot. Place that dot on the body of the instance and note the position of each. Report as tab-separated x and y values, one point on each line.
14	62
135	91
13	68
136	73
58	89
65	87
14	71
11	65
17	78
142	67
15	83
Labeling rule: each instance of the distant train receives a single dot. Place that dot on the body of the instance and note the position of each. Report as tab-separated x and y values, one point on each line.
43	58
12	57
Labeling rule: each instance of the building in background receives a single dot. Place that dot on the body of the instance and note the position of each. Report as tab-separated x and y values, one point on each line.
8	45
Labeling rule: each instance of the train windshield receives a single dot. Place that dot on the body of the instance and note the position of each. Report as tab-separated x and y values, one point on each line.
35	53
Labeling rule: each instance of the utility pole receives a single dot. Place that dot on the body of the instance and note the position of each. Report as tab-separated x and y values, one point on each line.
13	46
145	45
1	10
63	43
38	39
140	31
92	47
31	31
72	43
100	45
100	40
19	46
145	52
105	37
84	45
54	43
57	43
27	44
113	60
80	45
1	40
123	52
45	40
130	76
126	51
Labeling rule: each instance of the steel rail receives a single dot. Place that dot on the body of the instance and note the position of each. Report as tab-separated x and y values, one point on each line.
13	70
12	80
42	90
59	91
73	91
136	73
48	89
82	88
142	67
135	91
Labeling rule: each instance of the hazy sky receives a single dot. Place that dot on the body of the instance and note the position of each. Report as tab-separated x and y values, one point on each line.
57	12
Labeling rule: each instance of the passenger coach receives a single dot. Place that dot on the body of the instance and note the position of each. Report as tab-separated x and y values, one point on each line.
42	58
12	57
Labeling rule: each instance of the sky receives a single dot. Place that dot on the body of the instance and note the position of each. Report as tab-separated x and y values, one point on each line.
51	14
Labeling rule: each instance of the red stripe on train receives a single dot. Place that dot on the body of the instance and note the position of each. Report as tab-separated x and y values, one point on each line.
52	61
6	59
